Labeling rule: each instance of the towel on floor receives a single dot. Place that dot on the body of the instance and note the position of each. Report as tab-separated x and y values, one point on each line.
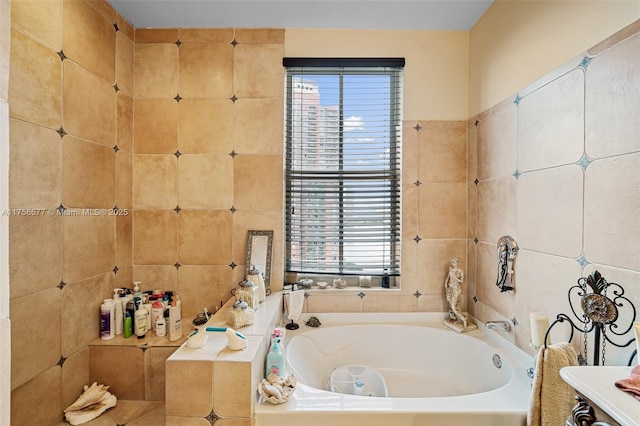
632	383
552	399
295	304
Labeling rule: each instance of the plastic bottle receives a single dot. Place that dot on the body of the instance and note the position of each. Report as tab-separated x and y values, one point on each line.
275	362
128	327
161	327
107	320
140	321
175	322
136	289
119	320
157	312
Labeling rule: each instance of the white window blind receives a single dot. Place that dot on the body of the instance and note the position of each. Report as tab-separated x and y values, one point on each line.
343	132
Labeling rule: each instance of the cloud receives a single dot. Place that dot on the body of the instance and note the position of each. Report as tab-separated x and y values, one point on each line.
353	123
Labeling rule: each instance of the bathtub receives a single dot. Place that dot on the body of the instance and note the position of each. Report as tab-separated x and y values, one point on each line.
433	375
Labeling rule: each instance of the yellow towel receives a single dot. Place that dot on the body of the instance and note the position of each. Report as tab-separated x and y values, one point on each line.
552	399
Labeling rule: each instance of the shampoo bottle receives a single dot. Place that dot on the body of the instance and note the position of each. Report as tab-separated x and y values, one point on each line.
127	326
141	322
275	362
107	320
157	311
175	322
118	311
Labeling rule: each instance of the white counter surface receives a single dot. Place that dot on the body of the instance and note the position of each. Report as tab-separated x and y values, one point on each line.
598	385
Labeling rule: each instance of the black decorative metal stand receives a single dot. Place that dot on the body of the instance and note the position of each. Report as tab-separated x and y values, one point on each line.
600	303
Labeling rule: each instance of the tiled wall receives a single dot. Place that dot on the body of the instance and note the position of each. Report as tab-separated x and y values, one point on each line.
556	166
208	162
70	103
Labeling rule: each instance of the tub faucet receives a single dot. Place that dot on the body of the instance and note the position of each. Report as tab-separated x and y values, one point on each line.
502	325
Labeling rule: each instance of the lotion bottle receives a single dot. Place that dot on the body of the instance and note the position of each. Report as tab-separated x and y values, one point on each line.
118	311
175	322
141	322
128	326
107	320
275	362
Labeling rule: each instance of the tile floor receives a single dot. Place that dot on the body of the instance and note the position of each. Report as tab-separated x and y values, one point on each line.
130	413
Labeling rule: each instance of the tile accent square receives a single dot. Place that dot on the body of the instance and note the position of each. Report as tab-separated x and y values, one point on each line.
206	70
156	126
205	181
204	237
205	126
155	69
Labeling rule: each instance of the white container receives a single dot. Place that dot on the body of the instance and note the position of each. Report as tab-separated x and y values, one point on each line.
161	327
175	324
107	320
256	278
119	320
141	322
157	312
249	293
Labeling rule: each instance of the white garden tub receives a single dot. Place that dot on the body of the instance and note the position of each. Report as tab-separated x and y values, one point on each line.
434	375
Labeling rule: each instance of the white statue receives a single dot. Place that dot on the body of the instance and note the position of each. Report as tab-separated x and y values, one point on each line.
453	291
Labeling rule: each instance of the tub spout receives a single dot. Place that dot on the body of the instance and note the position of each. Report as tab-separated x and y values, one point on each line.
501	325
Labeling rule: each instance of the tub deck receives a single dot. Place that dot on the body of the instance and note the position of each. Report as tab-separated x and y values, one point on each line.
506	405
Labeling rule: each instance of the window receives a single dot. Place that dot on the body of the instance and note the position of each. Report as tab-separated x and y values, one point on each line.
343	130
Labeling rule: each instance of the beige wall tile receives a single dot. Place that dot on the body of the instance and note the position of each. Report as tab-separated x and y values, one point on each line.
541	285
124	26
121	367
429	262
124	122
88	174
202	287
75	375
333	302
5	47
551	123
264	220
388	302
206	70
472	150
41	21
234	422
154	369
206	35
41	308
497	133
443	151
152	418
471	275
182	378
156	126
550	205
496	214
43	392
88	105
124	180
612	90
34	82
233	393
258	182
442	210
155	180
81	306
410	209
124	240
153	277
259	35
156	35
611	211
88	246
104	9
258	126
410	152
155	70
124	63
34	166
155	237
89	39
258	71
486	290
124	277
205	181
205	126
472	210
432	303
204	237
35	261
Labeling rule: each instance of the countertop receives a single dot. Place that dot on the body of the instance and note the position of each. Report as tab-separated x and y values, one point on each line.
598	385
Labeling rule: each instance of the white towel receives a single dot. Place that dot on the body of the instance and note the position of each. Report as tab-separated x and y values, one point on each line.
295	304
552	399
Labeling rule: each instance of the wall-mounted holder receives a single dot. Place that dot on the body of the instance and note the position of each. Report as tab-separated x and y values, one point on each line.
600	302
507	252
